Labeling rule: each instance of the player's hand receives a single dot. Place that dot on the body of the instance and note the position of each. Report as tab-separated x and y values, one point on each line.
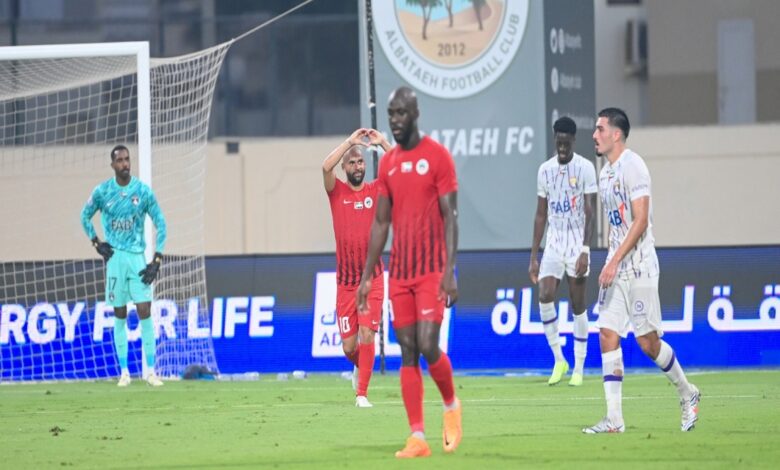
582	264
533	270
608	274
362	296
375	137
103	248
358	137
149	273
448	289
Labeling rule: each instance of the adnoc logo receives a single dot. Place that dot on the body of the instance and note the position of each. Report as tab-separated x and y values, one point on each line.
450	48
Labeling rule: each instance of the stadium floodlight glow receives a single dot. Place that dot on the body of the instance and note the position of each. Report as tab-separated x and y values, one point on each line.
62	109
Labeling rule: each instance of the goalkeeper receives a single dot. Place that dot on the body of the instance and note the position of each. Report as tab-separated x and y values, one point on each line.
124	202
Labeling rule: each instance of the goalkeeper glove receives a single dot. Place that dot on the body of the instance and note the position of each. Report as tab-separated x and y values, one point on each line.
103	248
149	273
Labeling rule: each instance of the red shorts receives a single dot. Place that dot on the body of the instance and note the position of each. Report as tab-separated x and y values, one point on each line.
346	308
416	300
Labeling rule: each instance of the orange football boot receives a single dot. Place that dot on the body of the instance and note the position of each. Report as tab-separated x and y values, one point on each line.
453	430
415	447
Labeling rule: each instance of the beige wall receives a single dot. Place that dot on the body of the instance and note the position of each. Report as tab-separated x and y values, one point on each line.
703	179
268	198
683	58
711	186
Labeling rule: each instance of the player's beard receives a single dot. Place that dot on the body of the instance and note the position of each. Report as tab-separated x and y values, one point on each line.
356	178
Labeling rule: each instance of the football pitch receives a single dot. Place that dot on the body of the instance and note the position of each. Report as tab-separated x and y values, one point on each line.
508	422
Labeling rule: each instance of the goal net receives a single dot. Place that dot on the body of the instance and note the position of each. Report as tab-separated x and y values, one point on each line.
62	109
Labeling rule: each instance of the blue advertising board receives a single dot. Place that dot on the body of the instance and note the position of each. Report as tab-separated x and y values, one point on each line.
721	308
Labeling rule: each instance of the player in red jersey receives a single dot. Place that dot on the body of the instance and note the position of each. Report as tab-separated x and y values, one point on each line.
352	205
418	193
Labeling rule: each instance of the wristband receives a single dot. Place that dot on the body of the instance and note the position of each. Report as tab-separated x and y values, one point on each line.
585	249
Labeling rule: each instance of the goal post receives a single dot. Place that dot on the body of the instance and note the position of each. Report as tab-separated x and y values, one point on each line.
62	109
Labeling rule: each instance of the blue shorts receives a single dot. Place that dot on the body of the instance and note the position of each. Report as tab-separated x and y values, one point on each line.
123	284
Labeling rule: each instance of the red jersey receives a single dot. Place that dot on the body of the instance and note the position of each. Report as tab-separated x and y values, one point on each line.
353	214
414	180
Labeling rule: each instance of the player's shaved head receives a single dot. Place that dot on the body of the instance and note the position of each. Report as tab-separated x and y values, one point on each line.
402	113
354	151
406	96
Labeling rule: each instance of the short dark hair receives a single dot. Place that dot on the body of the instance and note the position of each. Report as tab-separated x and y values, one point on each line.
617	118
116	149
565	125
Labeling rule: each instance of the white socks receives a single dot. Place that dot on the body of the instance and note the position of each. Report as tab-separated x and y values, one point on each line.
550	322
668	363
612	369
580	341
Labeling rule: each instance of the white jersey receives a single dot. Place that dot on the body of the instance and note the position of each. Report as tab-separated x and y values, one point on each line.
564	187
620	183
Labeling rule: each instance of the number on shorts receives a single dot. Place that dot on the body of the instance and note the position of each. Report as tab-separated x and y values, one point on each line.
111	283
344	324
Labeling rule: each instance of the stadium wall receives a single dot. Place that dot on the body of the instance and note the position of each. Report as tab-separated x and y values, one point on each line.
711	185
703	178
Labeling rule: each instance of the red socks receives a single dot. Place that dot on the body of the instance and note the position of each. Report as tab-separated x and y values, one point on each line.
441	373
412	392
365	365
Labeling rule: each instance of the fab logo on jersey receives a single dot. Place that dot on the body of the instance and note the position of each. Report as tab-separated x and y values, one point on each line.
560	207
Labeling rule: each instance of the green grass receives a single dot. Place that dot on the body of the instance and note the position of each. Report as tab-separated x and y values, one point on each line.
312	423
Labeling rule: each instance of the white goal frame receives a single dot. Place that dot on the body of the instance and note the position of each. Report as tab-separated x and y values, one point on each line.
138	49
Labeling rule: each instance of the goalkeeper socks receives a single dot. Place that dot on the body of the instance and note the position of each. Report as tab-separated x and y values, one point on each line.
612	368
120	341
550	322
412	392
441	373
668	363
353	357
580	341
147	339
365	367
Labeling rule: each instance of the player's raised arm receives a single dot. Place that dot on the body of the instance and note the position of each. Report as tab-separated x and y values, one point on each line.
335	156
379	231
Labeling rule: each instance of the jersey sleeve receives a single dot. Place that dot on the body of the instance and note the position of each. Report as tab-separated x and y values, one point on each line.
541	187
93	205
446	180
589	178
153	209
637	179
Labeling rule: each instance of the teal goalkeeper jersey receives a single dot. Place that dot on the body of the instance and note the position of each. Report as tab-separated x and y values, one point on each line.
123	210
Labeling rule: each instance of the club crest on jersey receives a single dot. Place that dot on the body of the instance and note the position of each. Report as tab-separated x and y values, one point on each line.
358	205
406	167
616	188
573	181
368	202
422	166
134	200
